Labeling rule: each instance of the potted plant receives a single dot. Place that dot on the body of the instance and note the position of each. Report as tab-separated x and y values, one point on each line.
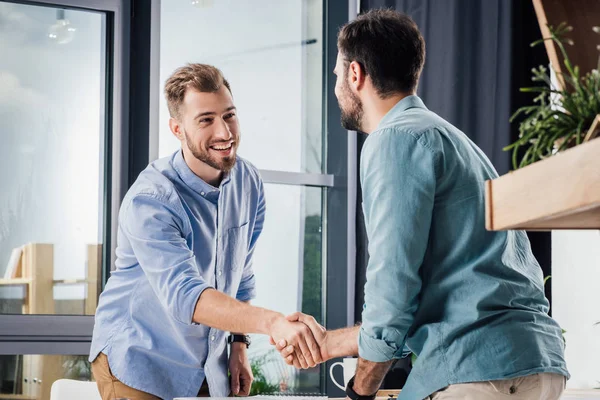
77	368
261	384
560	118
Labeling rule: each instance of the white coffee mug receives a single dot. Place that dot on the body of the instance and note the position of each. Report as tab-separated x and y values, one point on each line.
349	367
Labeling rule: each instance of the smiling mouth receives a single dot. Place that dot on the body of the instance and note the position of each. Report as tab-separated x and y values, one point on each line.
222	146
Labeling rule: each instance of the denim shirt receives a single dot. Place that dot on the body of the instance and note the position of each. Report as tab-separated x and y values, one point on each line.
468	302
177	236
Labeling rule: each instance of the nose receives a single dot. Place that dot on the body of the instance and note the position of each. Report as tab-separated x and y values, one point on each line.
222	132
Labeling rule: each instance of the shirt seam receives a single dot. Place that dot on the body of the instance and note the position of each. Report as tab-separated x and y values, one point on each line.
165	200
418	137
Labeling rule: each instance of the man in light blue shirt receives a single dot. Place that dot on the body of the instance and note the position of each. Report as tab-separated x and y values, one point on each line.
188	227
468	303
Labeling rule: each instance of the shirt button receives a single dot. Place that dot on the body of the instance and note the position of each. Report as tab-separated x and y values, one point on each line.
202	193
220	273
212	337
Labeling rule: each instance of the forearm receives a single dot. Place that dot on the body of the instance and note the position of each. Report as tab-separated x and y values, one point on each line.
369	376
342	342
240	332
220	311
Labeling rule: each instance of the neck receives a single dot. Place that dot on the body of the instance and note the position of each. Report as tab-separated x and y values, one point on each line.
202	170
375	108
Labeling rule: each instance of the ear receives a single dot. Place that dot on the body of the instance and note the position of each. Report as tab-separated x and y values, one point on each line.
176	129
356	75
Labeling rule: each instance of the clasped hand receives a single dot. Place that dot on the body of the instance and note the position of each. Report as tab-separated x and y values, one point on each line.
301	340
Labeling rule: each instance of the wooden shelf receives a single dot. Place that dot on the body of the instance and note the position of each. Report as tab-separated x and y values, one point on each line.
17	397
15	282
72	281
561	192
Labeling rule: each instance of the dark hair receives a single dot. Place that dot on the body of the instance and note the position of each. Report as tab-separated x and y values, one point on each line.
388	46
201	77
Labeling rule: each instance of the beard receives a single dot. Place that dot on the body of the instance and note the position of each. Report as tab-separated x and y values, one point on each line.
352	115
224	164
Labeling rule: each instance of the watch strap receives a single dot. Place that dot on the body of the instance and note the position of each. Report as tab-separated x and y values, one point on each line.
239	339
355	396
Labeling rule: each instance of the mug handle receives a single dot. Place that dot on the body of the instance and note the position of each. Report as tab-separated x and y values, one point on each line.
332	377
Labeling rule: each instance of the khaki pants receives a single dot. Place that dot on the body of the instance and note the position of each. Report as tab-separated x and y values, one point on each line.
532	387
111	388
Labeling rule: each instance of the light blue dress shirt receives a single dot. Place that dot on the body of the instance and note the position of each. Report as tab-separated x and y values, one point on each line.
468	302
177	237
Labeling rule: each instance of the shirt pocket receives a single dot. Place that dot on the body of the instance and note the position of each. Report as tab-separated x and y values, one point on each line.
236	246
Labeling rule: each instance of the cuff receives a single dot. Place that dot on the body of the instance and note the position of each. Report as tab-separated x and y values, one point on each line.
247	290
188	303
375	349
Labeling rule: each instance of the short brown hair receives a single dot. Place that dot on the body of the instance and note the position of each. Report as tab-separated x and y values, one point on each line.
201	77
388	46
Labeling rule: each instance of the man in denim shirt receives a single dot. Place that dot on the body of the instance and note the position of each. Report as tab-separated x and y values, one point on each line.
188	227
468	303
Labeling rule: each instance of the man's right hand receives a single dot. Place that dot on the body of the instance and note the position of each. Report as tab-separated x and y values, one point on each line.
292	332
287	349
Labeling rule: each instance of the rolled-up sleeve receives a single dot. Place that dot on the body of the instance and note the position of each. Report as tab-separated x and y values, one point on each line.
156	231
398	183
247	289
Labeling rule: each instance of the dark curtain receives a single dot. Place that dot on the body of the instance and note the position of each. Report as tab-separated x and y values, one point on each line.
466	78
478	56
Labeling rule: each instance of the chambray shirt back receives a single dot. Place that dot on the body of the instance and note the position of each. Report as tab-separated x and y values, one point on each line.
468	302
177	237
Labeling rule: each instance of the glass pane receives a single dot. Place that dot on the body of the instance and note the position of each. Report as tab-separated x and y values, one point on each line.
575	299
31	376
271	51
52	108
288	270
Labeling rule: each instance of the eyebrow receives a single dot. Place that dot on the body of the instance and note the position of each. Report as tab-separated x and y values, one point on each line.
203	114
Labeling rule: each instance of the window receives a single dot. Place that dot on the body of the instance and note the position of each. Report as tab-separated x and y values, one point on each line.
52	158
273	54
61	133
288	269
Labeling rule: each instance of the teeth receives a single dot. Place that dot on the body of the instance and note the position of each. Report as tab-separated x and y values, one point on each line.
222	147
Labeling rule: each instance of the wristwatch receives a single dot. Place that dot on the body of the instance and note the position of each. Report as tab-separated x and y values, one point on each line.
240	339
355	396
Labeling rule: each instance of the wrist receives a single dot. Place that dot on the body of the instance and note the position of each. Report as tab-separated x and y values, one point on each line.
326	347
363	389
355	392
339	343
271	321
239	347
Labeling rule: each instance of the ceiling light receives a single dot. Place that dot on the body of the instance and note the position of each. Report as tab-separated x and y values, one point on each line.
62	31
202	3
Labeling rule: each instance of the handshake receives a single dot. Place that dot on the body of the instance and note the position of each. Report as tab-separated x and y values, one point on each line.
301	340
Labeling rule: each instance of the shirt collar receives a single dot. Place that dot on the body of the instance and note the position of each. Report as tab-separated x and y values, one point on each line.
196	183
412	101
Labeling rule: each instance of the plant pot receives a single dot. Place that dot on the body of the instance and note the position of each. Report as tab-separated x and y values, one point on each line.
592	133
559	142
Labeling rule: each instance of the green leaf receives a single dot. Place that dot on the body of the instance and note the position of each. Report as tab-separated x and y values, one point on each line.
555	114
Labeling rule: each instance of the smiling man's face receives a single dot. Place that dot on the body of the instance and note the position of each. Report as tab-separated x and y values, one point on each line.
211	130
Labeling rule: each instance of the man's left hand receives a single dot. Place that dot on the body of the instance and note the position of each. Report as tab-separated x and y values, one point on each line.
239	368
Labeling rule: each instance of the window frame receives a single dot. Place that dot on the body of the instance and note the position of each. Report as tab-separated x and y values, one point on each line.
71	334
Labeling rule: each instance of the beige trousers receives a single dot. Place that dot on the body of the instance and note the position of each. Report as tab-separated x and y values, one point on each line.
532	387
111	388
